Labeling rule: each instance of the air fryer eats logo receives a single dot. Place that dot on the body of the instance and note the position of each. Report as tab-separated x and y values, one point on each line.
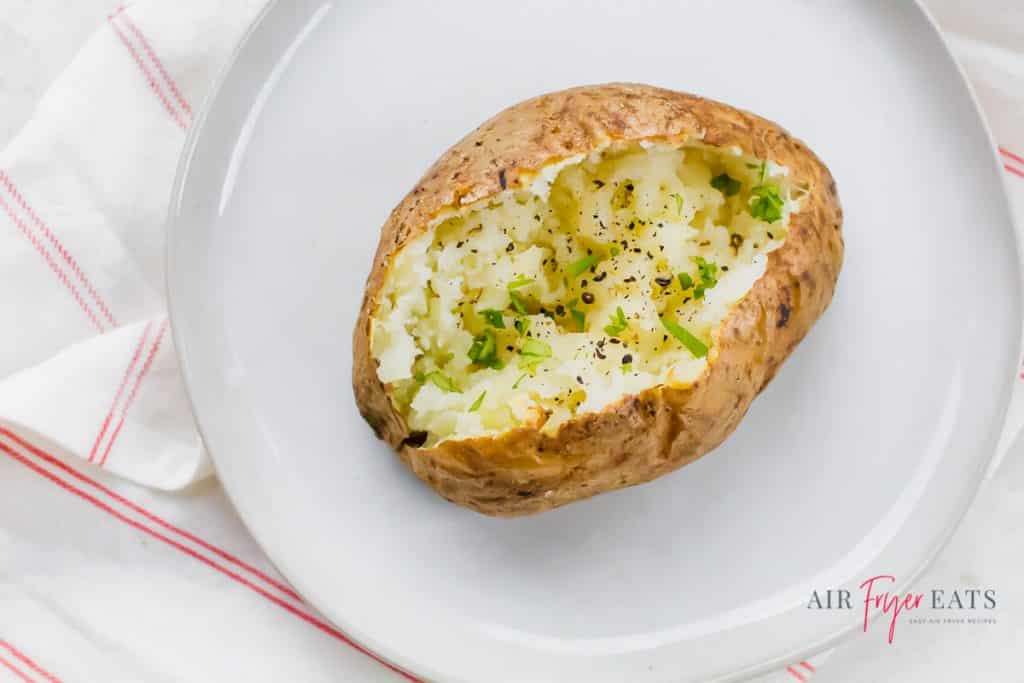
937	606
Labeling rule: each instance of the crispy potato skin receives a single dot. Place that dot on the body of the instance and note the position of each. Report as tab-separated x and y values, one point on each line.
644	436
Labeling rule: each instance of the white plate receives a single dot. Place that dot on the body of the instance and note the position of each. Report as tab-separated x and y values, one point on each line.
858	460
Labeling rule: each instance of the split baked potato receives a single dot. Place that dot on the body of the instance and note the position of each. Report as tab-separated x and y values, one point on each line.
587	292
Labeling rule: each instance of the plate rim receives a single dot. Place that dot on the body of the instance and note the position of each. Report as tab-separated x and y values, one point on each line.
397	661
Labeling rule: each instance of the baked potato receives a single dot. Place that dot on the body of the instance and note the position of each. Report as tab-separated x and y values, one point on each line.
587	292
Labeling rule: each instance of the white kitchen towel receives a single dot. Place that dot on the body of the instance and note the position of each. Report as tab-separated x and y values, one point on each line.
108	570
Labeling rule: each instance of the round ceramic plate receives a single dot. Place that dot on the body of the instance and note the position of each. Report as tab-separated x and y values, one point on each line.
858	460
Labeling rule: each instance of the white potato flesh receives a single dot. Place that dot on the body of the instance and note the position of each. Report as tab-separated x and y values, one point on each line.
507	313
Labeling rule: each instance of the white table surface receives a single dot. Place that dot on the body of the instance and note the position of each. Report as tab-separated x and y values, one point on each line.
39	37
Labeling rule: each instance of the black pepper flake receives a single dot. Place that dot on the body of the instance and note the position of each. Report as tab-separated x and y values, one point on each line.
627	359
630	279
501	179
599	183
579	379
587	297
583	283
458	245
650	255
600	276
663	281
725	269
511	246
771	236
629	186
735	240
478	143
599	354
614	340
560	309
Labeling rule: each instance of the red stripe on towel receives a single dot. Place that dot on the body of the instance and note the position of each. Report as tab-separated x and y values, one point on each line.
308	618
28	662
153	84
156	61
50	261
147	514
135	389
120	390
61	250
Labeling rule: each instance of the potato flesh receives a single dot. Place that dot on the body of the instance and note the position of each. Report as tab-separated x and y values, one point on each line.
644	214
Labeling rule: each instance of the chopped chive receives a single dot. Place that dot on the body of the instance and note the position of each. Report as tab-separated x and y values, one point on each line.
517	302
694	345
533	351
707	271
766	203
494	318
726	184
679	201
580	318
618	323
520	281
477	403
521	378
535	347
577	268
484	351
443	382
685	281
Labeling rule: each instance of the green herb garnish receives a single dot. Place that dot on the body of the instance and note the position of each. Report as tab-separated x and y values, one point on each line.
577	268
707	271
484	351
707	274
517	302
618	323
443	382
694	345
679	201
533	351
626	368
477	403
726	184
685	281
520	281
521	378
494	318
615	251
580	318
766	203
420	377
521	325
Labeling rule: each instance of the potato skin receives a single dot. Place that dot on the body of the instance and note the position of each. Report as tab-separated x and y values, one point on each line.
644	436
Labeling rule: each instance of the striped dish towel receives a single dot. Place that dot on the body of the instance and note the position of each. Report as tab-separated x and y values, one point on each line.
120	558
